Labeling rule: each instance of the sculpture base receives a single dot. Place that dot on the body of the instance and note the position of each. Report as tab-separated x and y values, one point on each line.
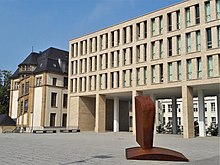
155	153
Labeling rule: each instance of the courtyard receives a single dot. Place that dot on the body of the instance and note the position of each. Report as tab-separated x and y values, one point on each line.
99	148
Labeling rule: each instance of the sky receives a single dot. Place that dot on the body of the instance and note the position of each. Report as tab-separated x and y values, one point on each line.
40	24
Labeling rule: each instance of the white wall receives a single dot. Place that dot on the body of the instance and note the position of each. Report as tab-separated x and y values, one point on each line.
37	107
14	105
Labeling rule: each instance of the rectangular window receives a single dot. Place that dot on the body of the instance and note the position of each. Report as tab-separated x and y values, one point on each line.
65	97
218	28
161	24
195	107
138	76
54	81
145	75
197	14
153	27
187	10
153	74
189	69
210	66
124	53
169	17
161	72
209	38
188	42
21	108
131	77
22	89
207	11
145	52
179	70
65	82
213	120
153	50
124	78
53	99
178	108
170	46
52	119
198	41
138	54
199	67
178	19
218	8
25	106
138	31
27	87
161	48
178	45
170	71
170	108
205	107
212	107
64	120
164	108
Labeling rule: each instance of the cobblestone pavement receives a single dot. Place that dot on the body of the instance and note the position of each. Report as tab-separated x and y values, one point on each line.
104	148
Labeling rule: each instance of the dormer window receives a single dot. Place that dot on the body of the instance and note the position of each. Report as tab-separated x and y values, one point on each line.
28	68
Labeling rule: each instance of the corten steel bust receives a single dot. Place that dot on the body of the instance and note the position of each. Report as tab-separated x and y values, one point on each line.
145	116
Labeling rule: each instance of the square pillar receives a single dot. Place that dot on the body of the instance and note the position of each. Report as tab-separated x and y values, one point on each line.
100	113
218	113
188	112
116	115
202	131
174	116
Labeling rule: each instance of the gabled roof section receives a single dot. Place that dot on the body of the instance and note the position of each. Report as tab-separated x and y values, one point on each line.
31	59
15	74
6	120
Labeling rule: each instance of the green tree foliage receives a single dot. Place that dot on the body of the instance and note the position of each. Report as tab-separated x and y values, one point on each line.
4	91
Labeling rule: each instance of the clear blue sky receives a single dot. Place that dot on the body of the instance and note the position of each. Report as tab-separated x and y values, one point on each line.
52	23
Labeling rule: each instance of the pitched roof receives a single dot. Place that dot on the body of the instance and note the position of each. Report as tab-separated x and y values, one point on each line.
6	120
50	60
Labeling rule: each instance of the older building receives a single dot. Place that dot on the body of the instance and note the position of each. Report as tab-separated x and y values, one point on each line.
38	95
167	54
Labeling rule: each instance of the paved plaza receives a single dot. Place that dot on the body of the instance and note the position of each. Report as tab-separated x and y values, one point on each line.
103	148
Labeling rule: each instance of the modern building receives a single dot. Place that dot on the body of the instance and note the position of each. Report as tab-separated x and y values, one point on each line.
165	111
38	94
167	54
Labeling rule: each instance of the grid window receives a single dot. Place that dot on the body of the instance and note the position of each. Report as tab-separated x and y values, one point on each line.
197	14
25	106
38	81
21	107
131	77
27	87
124	78
145	52
164	108
188	42
169	107
138	77
54	81
138	54
22	89
161	72
195	107
209	38
170	71
178	108
199	67
213	120
198	41
189	69
65	100
210	66
207	11
187	17
145	75
212	107
138	31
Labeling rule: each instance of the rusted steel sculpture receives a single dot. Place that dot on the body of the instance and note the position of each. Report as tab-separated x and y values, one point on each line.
145	116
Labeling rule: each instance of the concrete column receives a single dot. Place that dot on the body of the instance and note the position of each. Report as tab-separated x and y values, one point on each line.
201	114
83	84
128	54
134	94
93	44
84	47
188	112
116	115
104	39
75	50
93	63
100	113
174	116
115	58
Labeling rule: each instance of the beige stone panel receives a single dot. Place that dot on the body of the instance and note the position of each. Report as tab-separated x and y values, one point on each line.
214	37
157	73
175	70
193	42
73	113
215	65
44	95
204	67
128	36
213	10
142	30
100	120
194	68
173	15
192	15
188	112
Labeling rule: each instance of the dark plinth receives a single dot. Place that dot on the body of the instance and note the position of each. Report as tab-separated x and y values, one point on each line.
145	116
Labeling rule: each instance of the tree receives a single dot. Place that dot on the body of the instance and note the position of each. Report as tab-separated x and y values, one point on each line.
4	91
